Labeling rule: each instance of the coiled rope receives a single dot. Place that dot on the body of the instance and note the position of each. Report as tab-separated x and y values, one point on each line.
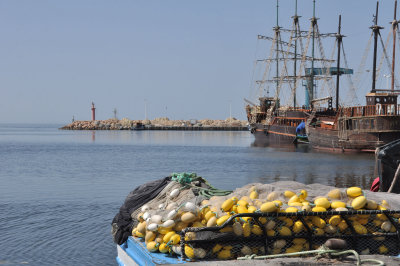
319	252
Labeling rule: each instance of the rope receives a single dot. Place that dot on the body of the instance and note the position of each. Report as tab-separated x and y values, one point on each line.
360	71
284	70
352	91
319	252
389	64
183	178
325	64
186	179
267	68
378	71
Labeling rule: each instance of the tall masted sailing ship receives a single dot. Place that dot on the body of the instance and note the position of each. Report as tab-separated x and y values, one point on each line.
361	128
278	117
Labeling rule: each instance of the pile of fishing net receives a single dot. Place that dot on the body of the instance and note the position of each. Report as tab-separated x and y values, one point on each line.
190	218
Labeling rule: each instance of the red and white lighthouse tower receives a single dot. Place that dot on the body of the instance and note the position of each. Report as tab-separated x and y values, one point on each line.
93	112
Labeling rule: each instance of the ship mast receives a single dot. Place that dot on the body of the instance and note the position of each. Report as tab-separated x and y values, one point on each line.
375	29
339	44
276	29
394	28
314	22
296	23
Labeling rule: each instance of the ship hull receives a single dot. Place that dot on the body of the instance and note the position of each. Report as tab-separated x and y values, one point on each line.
274	133
281	129
357	134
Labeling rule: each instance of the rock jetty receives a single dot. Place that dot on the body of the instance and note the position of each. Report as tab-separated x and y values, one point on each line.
158	123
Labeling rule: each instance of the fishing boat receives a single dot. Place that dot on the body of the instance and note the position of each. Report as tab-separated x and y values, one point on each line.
276	118
387	167
359	128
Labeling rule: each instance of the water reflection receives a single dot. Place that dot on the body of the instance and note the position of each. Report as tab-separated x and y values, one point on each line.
283	146
164	137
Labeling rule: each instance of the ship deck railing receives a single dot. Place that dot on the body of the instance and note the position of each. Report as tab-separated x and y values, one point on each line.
372	110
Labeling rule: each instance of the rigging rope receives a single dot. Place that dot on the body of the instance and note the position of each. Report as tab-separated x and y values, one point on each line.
352	91
284	71
383	55
325	64
303	58
267	67
361	67
252	83
389	64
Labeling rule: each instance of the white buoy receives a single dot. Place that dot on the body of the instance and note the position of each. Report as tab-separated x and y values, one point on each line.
174	193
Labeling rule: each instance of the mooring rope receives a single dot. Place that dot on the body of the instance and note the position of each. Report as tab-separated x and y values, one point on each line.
319	252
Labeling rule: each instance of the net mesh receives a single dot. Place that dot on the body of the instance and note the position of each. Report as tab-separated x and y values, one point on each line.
212	230
367	232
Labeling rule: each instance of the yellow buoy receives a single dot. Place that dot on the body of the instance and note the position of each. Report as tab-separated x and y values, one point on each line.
285	231
216	248
359	202
163	248
256	230
243	203
222	220
254	195
335	194
335	220
291	209
189	252
354	192
227	205
298	227
268	207
288	194
246	229
224	254
318	222
322	202
318	209
152	246
338	204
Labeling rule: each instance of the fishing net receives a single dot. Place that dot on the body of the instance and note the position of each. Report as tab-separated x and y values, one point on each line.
207	227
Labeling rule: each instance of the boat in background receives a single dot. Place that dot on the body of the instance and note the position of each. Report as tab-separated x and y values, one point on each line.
360	128
387	167
270	120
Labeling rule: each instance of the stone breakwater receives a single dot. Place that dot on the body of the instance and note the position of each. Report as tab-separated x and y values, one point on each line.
158	123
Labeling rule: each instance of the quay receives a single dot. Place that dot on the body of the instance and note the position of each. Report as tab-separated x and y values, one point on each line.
230	124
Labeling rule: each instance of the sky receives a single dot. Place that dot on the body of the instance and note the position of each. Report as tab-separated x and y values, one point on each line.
167	58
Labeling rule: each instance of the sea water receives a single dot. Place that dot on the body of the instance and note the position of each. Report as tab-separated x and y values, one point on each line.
59	190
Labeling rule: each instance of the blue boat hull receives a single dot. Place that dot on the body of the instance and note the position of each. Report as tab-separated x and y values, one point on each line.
134	252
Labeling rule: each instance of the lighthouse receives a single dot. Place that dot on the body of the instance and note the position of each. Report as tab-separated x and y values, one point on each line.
93	112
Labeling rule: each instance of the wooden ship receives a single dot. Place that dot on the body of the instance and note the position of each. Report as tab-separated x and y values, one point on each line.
271	120
359	128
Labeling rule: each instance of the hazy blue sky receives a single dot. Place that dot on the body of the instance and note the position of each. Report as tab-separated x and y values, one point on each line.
187	59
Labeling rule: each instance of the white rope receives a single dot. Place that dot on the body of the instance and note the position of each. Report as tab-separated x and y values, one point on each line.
382	58
360	72
303	59
352	91
252	83
284	71
267	68
325	65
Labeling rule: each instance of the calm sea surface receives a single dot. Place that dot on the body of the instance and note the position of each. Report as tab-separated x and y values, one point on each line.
59	190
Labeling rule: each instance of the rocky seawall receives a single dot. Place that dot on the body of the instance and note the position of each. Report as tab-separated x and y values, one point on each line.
158	124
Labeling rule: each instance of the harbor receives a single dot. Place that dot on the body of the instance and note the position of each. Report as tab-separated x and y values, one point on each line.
224	133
